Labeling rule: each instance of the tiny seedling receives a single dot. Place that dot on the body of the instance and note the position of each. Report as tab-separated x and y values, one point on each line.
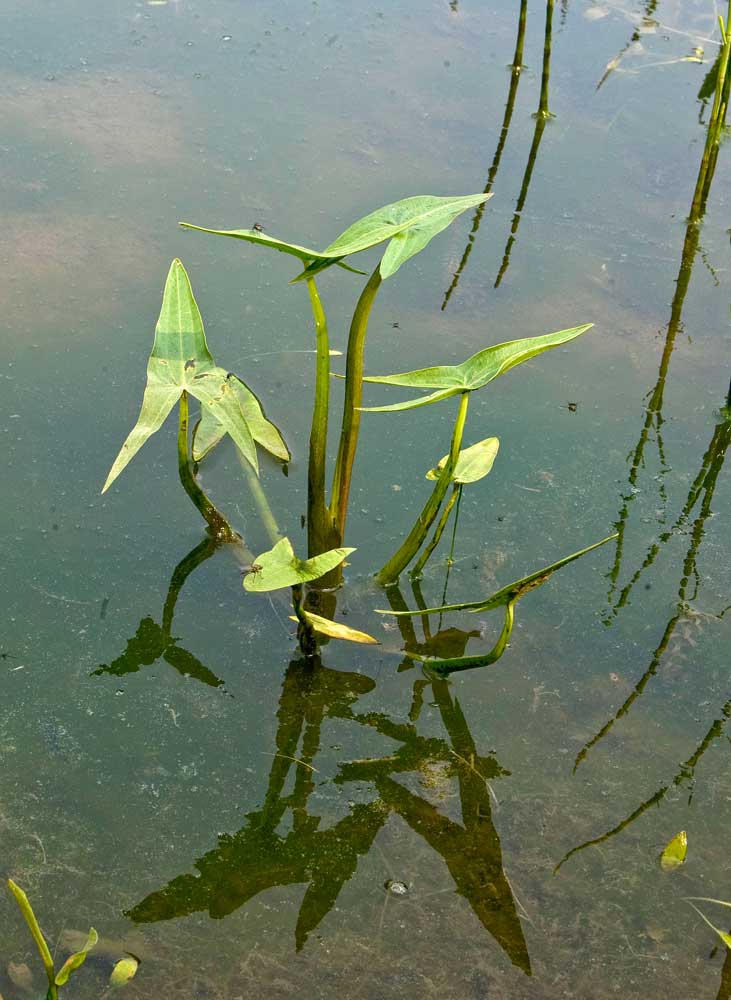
72	963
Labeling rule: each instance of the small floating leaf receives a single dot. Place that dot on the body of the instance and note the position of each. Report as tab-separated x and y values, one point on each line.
674	854
335	630
473	464
73	962
123	971
280	567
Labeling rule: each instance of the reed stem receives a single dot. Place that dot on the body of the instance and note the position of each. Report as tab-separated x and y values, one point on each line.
218	524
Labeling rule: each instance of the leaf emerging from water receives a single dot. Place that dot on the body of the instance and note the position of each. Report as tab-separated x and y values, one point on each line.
73	962
181	362
674	854
475	372
280	567
473	463
726	938
508	595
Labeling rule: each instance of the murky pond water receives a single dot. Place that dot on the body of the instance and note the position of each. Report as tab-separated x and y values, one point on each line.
169	770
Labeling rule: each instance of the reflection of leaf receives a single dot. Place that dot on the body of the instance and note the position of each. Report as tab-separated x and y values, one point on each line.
73	962
474	373
280	567
674	854
508	595
473	463
181	362
335	630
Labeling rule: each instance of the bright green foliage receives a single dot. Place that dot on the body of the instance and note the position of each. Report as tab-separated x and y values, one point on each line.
674	854
280	567
124	970
475	372
181	362
73	962
409	224
473	463
508	595
209	431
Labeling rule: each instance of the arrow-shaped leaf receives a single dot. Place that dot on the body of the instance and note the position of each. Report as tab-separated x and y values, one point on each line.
209	431
73	962
475	372
473	463
508	595
280	567
181	362
409	224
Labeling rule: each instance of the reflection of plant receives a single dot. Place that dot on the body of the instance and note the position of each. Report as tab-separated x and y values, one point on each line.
72	963
273	850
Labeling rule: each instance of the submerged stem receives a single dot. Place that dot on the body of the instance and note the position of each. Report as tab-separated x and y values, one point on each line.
414	540
415	573
260	501
353	397
218	524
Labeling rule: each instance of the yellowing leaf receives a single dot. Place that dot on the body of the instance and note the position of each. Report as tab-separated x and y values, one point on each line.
336	630
473	463
674	854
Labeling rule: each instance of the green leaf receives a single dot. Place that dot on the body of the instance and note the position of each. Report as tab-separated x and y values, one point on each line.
123	971
410	224
181	362
475	372
30	918
73	962
280	567
209	431
674	854
335	630
263	239
473	463
508	595
726	938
